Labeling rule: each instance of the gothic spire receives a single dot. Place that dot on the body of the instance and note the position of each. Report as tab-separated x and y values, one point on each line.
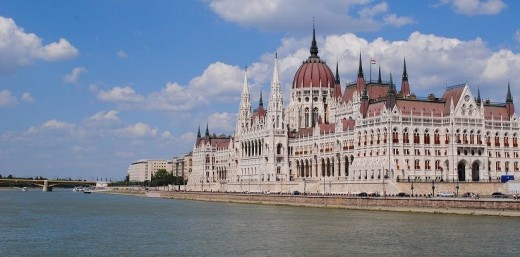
337	75
405	74
207	130
509	98
379	80
360	71
478	95
261	103
314	46
198	133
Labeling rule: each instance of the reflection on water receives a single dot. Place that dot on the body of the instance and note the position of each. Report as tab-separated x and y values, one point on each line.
65	223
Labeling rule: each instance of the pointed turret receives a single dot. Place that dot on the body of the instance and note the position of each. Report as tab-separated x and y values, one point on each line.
478	100
275	109
337	85
198	132
244	112
207	131
360	85
379	80
509	102
391	94
405	86
260	102
336	79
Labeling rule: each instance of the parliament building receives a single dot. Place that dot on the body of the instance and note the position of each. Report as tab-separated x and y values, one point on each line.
363	136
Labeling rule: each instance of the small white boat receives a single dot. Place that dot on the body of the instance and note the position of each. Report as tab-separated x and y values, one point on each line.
87	191
24	189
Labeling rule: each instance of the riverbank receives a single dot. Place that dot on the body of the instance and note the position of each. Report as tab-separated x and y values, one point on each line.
461	206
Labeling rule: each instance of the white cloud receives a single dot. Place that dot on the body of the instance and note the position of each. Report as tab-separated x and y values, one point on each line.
121	54
286	15
395	21
119	94
110	115
166	135
6	99
222	121
55	124
26	97
19	48
73	77
137	130
476	7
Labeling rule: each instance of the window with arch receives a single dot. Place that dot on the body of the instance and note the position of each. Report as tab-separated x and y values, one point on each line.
479	138
498	168
427	137
436	137
465	137
406	138
416	139
457	136
447	139
417	164
488	139
515	166
506	140
306	117
395	136
471	137
314	116
515	140
385	136
497	139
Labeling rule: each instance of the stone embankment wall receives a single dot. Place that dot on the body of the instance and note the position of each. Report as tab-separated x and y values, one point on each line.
364	203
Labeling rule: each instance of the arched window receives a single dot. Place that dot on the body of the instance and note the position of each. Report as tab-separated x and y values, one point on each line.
497	139
395	136
315	116
416	139
506	140
306	117
406	139
427	137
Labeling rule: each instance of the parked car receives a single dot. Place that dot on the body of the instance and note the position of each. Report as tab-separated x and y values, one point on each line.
296	192
363	194
498	195
446	194
403	194
469	195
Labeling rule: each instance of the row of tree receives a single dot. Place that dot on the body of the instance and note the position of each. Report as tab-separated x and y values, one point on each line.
161	178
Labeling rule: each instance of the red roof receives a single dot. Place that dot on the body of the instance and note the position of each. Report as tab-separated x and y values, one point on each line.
260	113
494	112
418	107
313	72
452	93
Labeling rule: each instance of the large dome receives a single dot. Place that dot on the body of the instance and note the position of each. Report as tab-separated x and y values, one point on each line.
313	72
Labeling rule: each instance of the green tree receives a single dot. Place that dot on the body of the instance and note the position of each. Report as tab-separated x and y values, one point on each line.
162	178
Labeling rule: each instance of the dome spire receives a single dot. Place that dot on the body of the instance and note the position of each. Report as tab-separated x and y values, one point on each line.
478	95
379	80
261	102
314	46
198	132
207	130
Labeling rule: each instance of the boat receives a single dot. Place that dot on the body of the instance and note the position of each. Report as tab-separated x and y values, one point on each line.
87	191
24	189
78	189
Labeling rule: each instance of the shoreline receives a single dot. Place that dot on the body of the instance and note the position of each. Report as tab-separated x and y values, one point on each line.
409	205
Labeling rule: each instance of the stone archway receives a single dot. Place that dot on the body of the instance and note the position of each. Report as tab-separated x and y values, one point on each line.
461	169
475	174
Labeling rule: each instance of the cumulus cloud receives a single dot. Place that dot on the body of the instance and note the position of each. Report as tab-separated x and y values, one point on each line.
102	115
476	7
287	15
19	48
26	97
119	94
6	99
73	77
222	121
137	130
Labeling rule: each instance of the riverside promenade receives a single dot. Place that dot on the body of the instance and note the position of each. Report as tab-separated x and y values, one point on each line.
463	206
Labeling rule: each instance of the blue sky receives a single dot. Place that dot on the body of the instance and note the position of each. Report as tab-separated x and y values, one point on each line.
87	87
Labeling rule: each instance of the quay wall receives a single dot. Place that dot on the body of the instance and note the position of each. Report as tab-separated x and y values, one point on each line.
507	207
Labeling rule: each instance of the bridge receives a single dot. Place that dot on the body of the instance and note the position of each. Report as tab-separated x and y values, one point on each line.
47	185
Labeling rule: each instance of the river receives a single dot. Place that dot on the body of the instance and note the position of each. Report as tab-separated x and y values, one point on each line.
66	223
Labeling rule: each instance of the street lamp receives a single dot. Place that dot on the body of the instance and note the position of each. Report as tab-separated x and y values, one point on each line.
433	188
412	188
304	185
457	187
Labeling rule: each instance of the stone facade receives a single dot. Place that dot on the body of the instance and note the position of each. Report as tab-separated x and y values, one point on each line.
364	136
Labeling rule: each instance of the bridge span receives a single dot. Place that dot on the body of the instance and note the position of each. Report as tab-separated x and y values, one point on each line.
47	184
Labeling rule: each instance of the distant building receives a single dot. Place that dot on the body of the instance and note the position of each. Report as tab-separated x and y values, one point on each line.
182	166
365	135
143	170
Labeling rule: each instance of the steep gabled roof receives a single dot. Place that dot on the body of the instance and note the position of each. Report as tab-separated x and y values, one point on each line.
418	107
454	93
495	112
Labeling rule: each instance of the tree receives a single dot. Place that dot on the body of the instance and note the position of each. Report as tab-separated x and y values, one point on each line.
162	178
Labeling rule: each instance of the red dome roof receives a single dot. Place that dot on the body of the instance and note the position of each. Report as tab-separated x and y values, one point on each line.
313	73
